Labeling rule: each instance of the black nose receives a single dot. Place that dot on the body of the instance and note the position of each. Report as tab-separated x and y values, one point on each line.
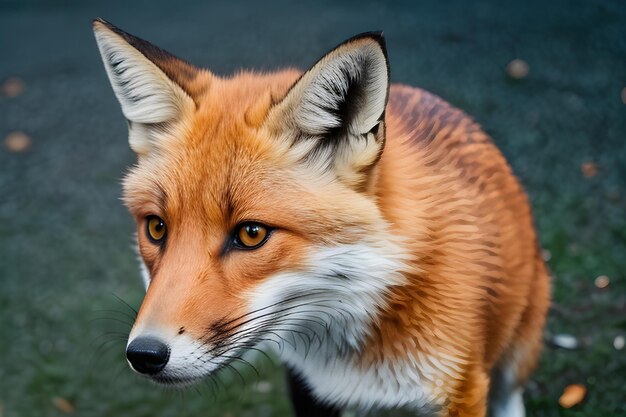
147	355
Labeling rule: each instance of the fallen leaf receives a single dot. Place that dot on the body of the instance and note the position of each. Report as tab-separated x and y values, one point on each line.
619	342
572	395
517	69
63	405
12	87
602	281
589	169
17	142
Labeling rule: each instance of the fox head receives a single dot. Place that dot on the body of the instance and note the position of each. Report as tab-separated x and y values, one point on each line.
255	202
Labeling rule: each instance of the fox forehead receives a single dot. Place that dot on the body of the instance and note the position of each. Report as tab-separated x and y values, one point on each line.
211	147
222	166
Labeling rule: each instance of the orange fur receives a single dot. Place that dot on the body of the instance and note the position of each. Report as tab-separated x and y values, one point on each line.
477	293
446	186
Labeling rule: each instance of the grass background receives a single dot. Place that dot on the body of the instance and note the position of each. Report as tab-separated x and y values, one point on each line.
65	239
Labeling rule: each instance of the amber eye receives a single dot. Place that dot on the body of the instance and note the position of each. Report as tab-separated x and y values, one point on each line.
155	228
251	235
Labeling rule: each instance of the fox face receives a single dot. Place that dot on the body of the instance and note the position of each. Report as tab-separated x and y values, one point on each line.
255	205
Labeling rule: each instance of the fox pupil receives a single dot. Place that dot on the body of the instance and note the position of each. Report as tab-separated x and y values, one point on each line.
252	231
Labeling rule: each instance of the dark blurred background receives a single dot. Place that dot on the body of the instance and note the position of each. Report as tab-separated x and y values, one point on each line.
546	79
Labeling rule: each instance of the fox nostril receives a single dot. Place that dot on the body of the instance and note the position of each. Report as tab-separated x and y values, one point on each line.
147	355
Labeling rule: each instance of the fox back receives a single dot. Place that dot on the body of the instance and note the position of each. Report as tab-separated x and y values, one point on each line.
370	234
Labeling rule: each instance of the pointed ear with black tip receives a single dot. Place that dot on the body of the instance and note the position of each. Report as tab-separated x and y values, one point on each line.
333	116
149	84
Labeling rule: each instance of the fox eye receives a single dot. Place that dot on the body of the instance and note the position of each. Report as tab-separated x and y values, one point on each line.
251	235
155	229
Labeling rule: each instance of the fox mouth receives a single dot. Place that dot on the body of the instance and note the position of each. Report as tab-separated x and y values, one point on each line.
176	381
178	360
188	361
192	375
182	379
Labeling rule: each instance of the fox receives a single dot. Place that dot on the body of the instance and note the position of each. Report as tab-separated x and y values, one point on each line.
373	226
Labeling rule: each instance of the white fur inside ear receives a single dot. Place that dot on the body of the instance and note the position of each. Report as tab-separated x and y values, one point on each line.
353	74
147	96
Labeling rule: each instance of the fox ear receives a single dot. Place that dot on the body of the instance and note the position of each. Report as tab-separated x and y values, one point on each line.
149	84
335	111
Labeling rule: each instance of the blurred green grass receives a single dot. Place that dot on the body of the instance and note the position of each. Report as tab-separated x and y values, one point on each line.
66	241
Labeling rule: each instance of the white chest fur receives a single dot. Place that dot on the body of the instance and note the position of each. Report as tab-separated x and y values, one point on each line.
381	385
321	337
